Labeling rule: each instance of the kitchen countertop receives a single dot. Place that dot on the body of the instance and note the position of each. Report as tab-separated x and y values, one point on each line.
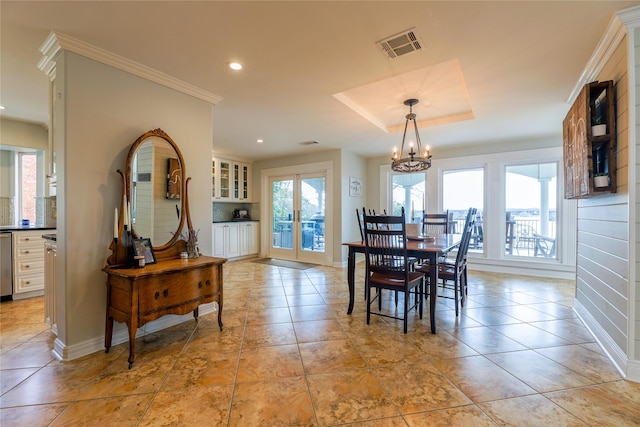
51	236
25	228
237	220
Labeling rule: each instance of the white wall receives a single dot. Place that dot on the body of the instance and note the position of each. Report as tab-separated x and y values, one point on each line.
100	112
355	166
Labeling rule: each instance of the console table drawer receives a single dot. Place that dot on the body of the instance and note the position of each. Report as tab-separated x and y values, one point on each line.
174	290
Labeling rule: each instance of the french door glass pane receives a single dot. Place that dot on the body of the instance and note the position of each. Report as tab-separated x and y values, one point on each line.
408	192
282	215
312	213
462	189
531	194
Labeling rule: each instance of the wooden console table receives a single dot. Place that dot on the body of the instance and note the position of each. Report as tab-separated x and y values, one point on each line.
136	296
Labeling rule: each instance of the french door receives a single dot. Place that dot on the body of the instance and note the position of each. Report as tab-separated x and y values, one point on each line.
297	217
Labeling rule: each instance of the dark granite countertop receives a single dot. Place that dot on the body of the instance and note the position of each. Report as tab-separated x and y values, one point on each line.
24	228
237	220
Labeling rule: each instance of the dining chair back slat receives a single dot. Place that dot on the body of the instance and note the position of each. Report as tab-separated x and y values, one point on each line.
435	223
388	266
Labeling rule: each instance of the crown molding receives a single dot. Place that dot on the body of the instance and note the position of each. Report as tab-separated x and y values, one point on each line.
603	52
57	42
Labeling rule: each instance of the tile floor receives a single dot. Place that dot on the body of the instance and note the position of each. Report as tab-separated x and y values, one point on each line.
289	355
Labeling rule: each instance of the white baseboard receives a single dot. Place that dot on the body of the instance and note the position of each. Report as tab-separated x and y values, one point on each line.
121	334
611	349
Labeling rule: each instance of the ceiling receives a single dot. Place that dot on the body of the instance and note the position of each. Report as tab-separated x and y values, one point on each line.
515	65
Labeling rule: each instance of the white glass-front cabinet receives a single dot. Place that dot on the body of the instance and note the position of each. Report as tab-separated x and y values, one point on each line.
230	181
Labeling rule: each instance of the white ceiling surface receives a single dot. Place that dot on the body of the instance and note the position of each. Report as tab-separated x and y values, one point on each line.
517	63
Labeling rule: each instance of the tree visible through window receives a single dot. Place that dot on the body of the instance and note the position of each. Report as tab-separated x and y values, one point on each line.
28	186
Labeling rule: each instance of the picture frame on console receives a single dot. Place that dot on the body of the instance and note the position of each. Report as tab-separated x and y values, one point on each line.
143	247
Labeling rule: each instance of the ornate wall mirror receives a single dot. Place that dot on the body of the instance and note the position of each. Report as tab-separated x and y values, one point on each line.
155	188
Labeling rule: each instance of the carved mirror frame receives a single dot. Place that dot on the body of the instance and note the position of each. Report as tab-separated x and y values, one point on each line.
171	249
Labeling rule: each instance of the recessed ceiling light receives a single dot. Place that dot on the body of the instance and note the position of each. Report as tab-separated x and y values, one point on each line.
235	66
2	107
260	141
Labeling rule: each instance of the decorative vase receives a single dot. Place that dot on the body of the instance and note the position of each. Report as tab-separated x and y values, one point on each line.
192	250
601	181
599	130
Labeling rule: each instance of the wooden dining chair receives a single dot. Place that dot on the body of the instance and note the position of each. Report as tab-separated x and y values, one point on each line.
435	223
388	266
455	270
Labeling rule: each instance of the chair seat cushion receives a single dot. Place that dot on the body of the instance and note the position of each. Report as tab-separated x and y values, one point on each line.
393	280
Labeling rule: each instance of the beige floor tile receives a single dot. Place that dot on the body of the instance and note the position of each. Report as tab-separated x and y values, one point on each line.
486	340
343	397
27	355
32	416
120	411
386	349
265	335
417	387
200	366
177	408
589	364
146	376
269	363
534	411
462	416
571	330
598	405
269	315
318	330
482	380
54	384
530	336
538	371
312	312
440	346
9	378
330	356
283	402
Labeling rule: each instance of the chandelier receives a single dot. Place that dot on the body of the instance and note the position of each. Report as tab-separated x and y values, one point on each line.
416	161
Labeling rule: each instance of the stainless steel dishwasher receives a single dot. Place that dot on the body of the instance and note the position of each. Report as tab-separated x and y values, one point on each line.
6	276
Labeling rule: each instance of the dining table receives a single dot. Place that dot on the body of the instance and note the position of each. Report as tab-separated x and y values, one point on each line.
430	248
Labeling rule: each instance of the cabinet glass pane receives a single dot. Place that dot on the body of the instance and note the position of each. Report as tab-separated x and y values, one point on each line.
236	181
224	179
213	178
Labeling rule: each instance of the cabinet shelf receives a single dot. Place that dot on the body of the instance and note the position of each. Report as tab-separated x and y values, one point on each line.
585	155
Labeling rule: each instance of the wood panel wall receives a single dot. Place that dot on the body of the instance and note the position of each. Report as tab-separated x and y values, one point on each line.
603	227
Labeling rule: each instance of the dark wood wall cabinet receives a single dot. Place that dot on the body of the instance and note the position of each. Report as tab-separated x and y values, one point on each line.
589	133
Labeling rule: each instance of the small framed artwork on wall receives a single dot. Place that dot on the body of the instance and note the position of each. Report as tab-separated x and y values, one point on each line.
355	187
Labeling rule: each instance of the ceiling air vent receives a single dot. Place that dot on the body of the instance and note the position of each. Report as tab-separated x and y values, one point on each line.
400	44
308	143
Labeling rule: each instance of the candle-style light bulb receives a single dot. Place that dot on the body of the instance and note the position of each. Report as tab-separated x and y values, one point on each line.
395	152
115	224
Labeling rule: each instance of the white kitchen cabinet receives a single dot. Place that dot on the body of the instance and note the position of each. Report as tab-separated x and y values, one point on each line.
226	240
28	264
230	180
50	254
249	238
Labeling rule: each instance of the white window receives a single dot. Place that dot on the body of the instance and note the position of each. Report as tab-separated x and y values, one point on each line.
462	189
408	191
531	209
